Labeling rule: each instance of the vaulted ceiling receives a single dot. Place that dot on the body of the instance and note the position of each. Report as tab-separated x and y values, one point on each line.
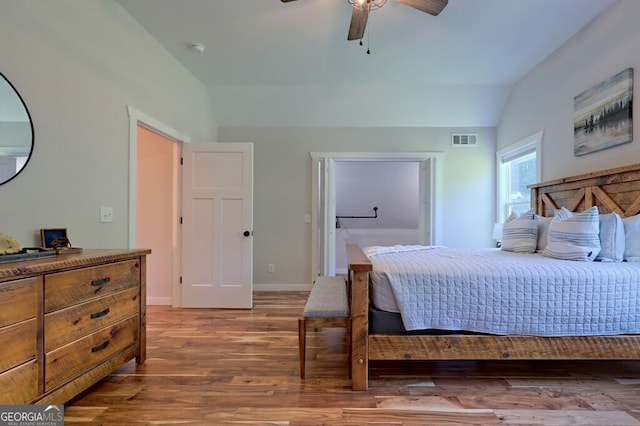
268	63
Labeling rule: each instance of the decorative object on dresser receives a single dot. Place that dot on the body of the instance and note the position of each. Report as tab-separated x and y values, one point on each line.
8	245
57	240
67	322
54	237
11	250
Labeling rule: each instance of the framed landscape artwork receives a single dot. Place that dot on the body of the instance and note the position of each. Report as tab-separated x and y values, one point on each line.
52	238
603	114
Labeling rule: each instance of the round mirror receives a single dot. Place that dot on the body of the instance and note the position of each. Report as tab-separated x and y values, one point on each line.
16	132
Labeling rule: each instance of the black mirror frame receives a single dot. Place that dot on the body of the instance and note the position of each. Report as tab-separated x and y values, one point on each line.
30	124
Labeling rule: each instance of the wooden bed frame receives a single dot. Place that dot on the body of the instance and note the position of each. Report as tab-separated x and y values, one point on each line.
614	190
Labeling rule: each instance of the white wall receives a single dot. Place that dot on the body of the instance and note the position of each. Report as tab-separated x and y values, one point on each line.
360	105
543	100
391	186
77	65
282	191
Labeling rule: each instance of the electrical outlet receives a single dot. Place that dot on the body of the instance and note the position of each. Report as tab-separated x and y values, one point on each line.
271	268
106	214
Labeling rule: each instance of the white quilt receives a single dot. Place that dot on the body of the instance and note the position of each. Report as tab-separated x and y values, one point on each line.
498	292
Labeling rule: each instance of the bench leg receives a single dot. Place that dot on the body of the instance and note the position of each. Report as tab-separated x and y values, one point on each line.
349	345
302	343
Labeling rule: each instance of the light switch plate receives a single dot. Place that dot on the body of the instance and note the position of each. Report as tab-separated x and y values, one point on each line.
106	214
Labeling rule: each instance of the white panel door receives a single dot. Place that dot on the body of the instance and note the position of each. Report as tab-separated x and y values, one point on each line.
217	225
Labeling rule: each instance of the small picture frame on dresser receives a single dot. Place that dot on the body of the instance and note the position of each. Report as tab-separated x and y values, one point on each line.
54	238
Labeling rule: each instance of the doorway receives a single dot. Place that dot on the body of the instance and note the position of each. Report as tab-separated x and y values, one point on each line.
157	210
377	204
162	178
323	212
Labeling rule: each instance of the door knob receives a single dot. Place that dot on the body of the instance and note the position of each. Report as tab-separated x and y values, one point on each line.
246	233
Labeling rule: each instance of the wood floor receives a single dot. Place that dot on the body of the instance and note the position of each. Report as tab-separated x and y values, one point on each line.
215	367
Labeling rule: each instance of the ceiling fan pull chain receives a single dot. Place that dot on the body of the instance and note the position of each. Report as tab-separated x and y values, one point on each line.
368	41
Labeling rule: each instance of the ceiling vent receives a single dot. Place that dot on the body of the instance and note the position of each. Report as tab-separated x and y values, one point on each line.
464	139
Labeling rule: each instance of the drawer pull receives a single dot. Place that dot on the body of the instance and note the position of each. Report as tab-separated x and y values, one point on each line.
100	314
100	347
100	281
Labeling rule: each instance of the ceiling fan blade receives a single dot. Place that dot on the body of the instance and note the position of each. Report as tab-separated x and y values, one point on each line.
359	18
432	7
286	1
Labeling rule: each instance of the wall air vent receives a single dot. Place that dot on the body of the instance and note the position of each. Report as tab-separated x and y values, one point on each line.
464	139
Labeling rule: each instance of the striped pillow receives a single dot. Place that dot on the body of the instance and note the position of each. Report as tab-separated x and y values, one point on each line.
632	238
612	242
574	236
543	231
520	233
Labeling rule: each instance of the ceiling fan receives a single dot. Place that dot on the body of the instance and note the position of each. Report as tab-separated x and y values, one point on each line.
361	8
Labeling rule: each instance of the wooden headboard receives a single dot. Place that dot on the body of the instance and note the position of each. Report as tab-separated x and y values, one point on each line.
613	191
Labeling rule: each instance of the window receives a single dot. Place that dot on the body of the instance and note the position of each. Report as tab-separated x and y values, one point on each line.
518	166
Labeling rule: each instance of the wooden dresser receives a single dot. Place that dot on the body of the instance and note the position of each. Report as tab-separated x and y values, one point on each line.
68	321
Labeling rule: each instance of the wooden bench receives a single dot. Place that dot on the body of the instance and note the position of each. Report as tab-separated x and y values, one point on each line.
327	306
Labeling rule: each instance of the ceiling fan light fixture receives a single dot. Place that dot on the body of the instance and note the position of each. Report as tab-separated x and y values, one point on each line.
370	4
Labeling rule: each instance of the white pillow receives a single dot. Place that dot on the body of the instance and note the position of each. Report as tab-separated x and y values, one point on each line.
574	236
520	233
543	231
611	238
632	238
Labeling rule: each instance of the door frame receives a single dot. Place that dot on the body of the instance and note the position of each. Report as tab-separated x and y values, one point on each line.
323	199
138	118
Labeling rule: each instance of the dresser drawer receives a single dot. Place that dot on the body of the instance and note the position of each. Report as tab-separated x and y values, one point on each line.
19	385
66	325
18	300
18	343
75	358
72	287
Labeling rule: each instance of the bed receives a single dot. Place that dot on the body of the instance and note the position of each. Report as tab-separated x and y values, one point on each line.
611	191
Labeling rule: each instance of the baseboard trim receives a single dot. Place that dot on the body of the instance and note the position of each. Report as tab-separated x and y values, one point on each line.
158	301
281	287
